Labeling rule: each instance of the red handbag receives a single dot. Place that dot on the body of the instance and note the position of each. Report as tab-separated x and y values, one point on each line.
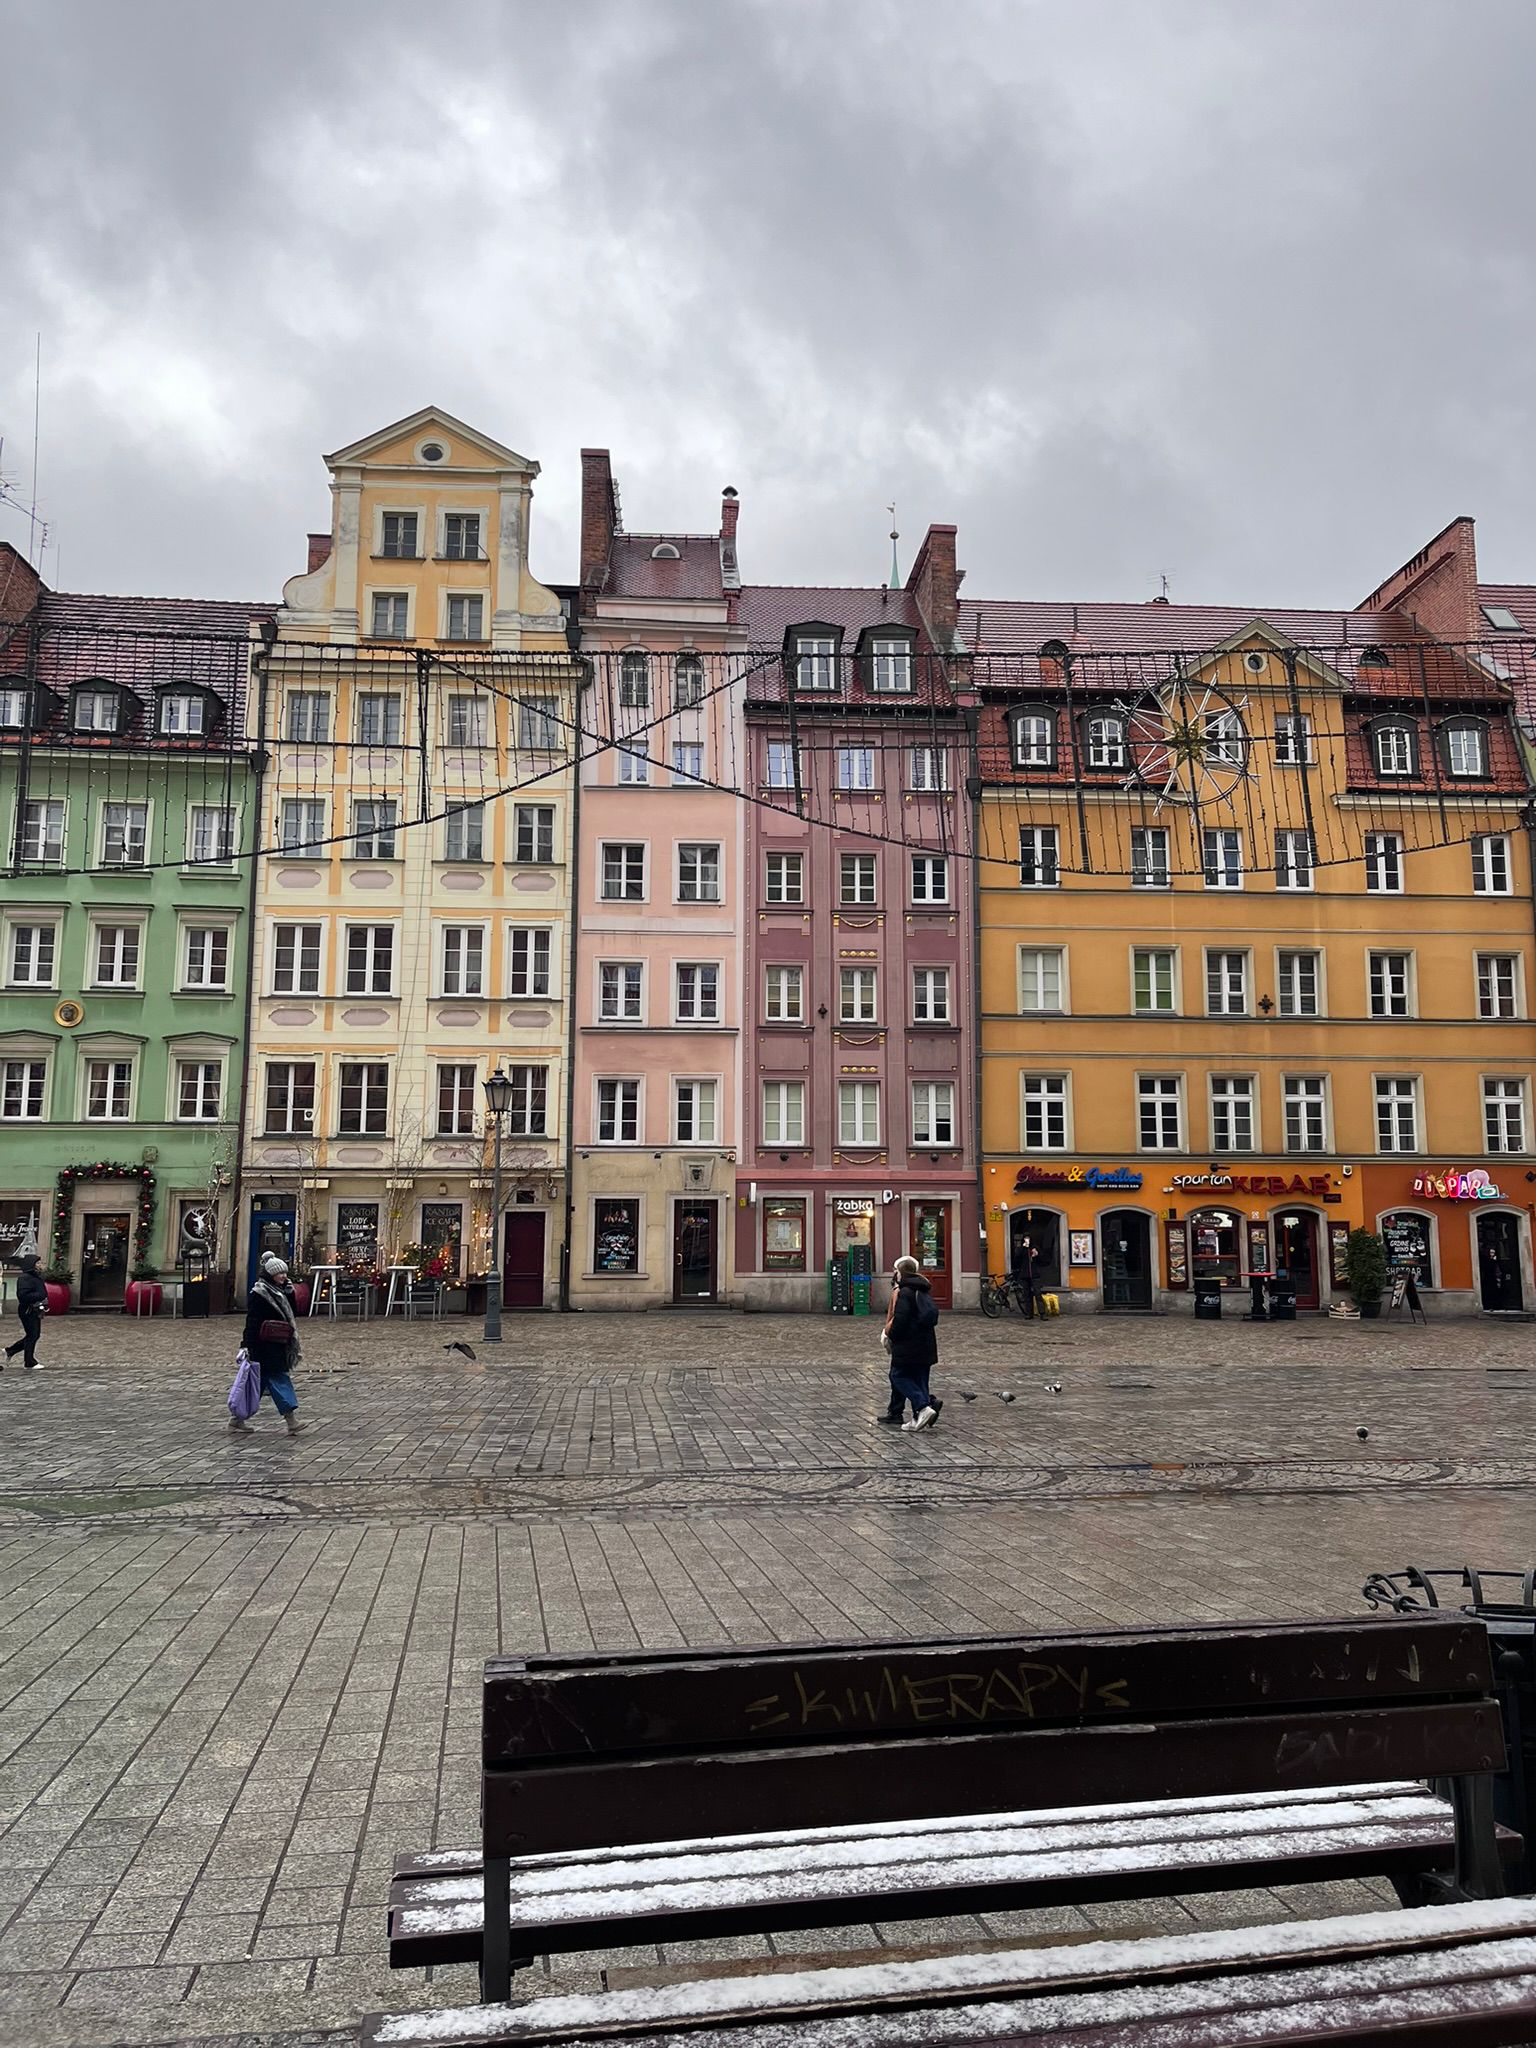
275	1332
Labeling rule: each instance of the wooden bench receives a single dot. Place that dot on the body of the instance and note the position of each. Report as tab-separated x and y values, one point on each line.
1460	1975
688	1794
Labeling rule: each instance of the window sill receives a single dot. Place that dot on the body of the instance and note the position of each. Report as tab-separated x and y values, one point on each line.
206	995
945	1024
31	988
392	557
945	906
111	989
632	1273
483	560
355	995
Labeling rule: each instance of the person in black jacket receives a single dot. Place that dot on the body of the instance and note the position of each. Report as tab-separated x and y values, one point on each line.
912	1327
31	1306
271	1336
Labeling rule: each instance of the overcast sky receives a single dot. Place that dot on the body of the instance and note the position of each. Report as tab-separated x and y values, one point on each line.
1236	291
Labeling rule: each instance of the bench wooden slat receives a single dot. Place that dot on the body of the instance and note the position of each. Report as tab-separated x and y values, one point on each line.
696	1889
608	1804
1395	1968
547	1708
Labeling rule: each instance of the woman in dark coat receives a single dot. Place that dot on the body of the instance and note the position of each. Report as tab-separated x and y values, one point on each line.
911	1324
271	1336
31	1306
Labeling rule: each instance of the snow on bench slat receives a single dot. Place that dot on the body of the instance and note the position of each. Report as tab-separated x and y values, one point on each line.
1043	1816
1487	1936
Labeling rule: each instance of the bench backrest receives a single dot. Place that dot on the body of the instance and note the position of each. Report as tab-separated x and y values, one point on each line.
599	1751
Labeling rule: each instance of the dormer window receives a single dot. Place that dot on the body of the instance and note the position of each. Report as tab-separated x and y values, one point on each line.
1395	746
1104	740
1464	748
1054	650
815	661
398	536
96	708
15	710
890	665
1373	657
1034	739
665	552
183	714
634	681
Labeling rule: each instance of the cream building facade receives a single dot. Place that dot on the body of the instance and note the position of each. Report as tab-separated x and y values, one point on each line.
418	708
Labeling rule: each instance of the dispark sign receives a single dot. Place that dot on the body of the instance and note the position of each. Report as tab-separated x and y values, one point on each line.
1458	1187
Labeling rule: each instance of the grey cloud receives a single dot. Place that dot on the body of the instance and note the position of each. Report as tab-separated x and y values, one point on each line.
1236	293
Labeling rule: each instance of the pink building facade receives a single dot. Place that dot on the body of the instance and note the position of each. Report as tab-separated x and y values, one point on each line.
859	1097
657	997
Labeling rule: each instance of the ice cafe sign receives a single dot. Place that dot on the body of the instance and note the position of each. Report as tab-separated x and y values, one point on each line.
1458	1187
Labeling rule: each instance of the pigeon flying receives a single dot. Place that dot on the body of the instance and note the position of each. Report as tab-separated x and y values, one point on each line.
463	1351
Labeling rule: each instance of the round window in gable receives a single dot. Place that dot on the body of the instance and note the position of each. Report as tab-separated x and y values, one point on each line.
665	552
432	451
1256	662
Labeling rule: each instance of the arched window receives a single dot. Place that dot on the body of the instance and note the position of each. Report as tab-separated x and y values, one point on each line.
1395	747
1216	1247
1104	740
634	681
1410	1242
665	552
1054	650
1034	738
687	683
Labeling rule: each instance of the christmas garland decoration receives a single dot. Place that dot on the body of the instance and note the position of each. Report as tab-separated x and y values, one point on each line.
103	1169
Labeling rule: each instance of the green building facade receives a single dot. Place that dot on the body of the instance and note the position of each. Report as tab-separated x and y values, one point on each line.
129	805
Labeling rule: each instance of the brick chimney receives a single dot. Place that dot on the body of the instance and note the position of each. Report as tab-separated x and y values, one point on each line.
730	509
20	586
319	552
599	515
935	583
1438	587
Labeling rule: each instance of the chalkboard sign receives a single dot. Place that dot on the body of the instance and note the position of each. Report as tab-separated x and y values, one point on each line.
1400	1289
1407	1238
616	1243
357	1232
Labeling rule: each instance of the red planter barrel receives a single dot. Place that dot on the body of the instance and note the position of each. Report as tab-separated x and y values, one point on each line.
58	1296
301	1297
143	1298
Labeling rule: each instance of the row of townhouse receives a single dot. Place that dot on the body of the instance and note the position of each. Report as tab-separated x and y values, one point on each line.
802	921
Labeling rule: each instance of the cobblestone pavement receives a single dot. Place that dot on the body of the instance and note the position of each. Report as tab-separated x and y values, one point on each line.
237	1676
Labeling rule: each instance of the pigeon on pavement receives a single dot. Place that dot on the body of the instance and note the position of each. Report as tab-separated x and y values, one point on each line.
1005	1397
1362	1432
965	1396
463	1350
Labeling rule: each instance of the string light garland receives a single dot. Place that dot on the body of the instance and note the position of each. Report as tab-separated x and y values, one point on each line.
70	1178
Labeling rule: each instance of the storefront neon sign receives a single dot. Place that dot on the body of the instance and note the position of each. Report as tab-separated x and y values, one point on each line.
1105	1178
1252	1183
1458	1187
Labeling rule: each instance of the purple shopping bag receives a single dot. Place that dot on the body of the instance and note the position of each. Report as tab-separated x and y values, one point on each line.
245	1394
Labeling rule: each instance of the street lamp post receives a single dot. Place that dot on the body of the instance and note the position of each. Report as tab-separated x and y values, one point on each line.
498	1100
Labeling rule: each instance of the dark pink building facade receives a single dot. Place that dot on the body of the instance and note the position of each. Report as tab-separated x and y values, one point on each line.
859	1110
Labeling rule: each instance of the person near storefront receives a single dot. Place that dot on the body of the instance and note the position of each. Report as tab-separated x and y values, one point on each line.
271	1336
1026	1266
31	1306
912	1332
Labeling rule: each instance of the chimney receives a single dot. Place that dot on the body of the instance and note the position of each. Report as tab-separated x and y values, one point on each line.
1438	586
599	515
730	508
935	583
20	586
319	552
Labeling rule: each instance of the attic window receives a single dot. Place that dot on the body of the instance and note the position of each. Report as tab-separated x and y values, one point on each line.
665	552
1500	616
432	451
1372	657
1054	650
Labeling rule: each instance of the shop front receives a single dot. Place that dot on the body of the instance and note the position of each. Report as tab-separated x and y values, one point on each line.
788	1234
1131	1236
1463	1233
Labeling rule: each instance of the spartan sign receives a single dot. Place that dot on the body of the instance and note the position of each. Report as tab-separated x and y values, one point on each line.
1187	743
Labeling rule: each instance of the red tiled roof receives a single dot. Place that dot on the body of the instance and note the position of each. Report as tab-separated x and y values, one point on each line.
1514	652
634	572
770	611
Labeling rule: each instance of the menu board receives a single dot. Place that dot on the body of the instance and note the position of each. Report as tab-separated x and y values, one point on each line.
357	1233
1338	1252
1176	1255
616	1237
1407	1238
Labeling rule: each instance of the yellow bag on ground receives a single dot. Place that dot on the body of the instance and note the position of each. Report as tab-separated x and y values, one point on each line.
1050	1304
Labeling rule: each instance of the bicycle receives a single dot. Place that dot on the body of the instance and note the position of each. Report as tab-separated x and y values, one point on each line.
998	1296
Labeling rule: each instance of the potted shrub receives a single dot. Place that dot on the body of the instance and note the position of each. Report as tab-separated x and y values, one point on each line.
143	1295
57	1280
1365	1270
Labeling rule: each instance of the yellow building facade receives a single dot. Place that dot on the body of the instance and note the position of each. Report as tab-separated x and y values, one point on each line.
418	707
1255	956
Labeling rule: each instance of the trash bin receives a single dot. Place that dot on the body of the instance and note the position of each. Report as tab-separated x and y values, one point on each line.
1505	1602
1282	1298
1208	1301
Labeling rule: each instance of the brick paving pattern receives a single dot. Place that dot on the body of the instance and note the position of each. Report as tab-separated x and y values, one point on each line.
238	1676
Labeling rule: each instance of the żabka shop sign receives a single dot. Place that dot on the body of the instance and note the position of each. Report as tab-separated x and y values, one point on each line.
1108	1178
1253	1183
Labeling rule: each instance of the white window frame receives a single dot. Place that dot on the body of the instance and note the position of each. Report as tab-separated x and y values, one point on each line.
1172	955
1032	979
100	925
203	1063
688	761
862	870
815	661
467	723
620	992
1388	1092
458	1125
932	867
928	770
784	994
393	599
470	969
857	773
1395	751
1492	864
92	1058
781	759
634	771
858	995
371	953
366	1104
1033	737
1045	1097
1291	727
1498	1092
691	698
305	841
1222	865
382	548
297	1120
312	727
1302	1095
1293	874
708	861
216	865
181	714
539	824
1387	986
530	976
858	1113
1153	870
187	930
634	680
1319	962
890	666
298	925
465	823
1104	741
708	982
446	515
785	867
390	710
1226	988
95	701
35	1084
540	725
705	1109
47	807
625	1109
933	1107
1384	864
1486	970
1225	1093
930	995
1478	735
783	1114
140	804
1039	857
528	1115
19	921
1157	1091
627	883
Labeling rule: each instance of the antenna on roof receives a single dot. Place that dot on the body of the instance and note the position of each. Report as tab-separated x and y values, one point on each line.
895	536
1162	594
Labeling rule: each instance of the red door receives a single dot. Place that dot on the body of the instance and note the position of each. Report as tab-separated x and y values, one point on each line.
930	1248
1296	1250
522	1272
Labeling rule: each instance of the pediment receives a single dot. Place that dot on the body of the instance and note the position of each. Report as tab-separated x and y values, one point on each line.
398	446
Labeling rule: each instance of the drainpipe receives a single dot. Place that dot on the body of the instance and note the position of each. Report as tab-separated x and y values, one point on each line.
973	784
258	767
574	899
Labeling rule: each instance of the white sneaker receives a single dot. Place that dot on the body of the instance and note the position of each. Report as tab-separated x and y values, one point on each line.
33	1368
908	1427
927	1419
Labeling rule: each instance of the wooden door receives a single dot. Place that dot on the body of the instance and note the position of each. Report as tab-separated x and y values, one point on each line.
1296	1255
522	1272
1498	1262
930	1246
